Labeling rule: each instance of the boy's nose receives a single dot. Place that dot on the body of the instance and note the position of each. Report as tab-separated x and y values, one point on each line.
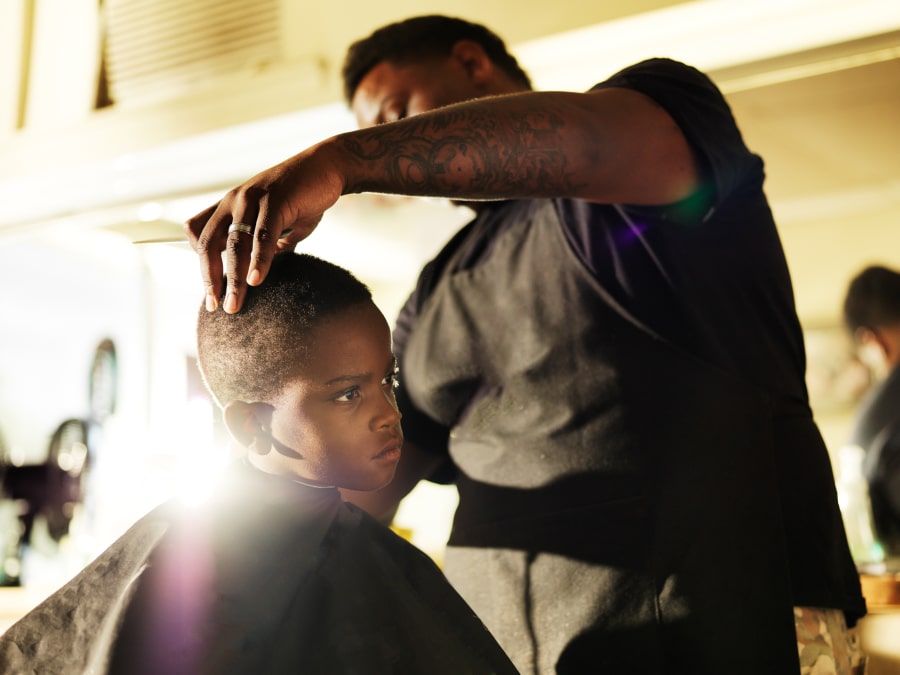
388	413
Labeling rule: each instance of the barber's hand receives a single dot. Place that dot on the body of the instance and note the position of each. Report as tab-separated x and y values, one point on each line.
282	205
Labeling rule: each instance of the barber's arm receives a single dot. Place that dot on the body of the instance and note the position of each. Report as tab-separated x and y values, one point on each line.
609	145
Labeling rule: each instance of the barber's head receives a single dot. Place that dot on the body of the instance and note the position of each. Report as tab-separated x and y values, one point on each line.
425	62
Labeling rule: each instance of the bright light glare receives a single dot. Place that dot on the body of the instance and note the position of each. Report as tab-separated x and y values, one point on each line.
150	211
200	464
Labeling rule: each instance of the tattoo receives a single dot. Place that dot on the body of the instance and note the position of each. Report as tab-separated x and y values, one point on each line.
458	152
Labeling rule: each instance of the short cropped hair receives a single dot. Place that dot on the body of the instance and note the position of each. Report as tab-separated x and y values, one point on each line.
419	38
873	299
252	354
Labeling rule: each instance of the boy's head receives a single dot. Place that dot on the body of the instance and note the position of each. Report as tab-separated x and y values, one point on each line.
305	375
420	39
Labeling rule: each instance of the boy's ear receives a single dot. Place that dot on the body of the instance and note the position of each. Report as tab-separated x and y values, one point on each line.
247	422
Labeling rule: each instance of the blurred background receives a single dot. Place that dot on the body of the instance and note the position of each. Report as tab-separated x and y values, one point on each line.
121	118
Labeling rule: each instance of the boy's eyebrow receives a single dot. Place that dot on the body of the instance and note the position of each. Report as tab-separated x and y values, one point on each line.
361	376
347	378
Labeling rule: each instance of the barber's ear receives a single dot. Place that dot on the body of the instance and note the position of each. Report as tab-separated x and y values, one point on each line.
249	424
473	59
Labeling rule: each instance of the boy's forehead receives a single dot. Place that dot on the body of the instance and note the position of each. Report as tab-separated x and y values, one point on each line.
352	340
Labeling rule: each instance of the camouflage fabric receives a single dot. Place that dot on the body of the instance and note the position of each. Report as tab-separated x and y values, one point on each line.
825	644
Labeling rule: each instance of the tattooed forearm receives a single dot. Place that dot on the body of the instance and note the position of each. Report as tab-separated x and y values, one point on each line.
461	152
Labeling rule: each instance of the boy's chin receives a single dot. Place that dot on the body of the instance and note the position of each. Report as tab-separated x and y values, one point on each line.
370	484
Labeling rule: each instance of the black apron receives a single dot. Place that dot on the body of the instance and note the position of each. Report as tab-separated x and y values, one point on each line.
619	502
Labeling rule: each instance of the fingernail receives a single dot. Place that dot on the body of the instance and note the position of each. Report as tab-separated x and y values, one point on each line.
230	303
211	302
254	277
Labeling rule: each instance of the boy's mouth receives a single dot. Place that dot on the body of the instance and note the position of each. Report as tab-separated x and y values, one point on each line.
390	451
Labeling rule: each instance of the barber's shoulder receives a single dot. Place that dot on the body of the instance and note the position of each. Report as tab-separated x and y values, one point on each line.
654	72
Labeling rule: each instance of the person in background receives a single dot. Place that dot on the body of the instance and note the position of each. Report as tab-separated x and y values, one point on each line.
872	316
606	361
276	574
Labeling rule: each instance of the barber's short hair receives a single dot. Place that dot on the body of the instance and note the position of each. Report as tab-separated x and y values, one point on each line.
873	299
251	355
423	37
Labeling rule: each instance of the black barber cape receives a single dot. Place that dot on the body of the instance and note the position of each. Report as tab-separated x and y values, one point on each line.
269	577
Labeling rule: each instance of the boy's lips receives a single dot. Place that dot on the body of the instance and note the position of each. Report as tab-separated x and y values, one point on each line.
391	450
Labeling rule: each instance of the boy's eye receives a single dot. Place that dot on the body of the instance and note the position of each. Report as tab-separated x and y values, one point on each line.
348	395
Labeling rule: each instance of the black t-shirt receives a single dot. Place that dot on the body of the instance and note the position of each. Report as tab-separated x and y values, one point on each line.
707	273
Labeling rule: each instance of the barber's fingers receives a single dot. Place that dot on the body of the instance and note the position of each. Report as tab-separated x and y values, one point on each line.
204	236
300	229
237	226
265	241
241	244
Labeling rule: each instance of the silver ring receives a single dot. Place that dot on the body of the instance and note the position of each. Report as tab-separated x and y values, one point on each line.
240	227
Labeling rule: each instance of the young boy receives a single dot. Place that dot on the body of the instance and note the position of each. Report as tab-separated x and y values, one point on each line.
276	574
